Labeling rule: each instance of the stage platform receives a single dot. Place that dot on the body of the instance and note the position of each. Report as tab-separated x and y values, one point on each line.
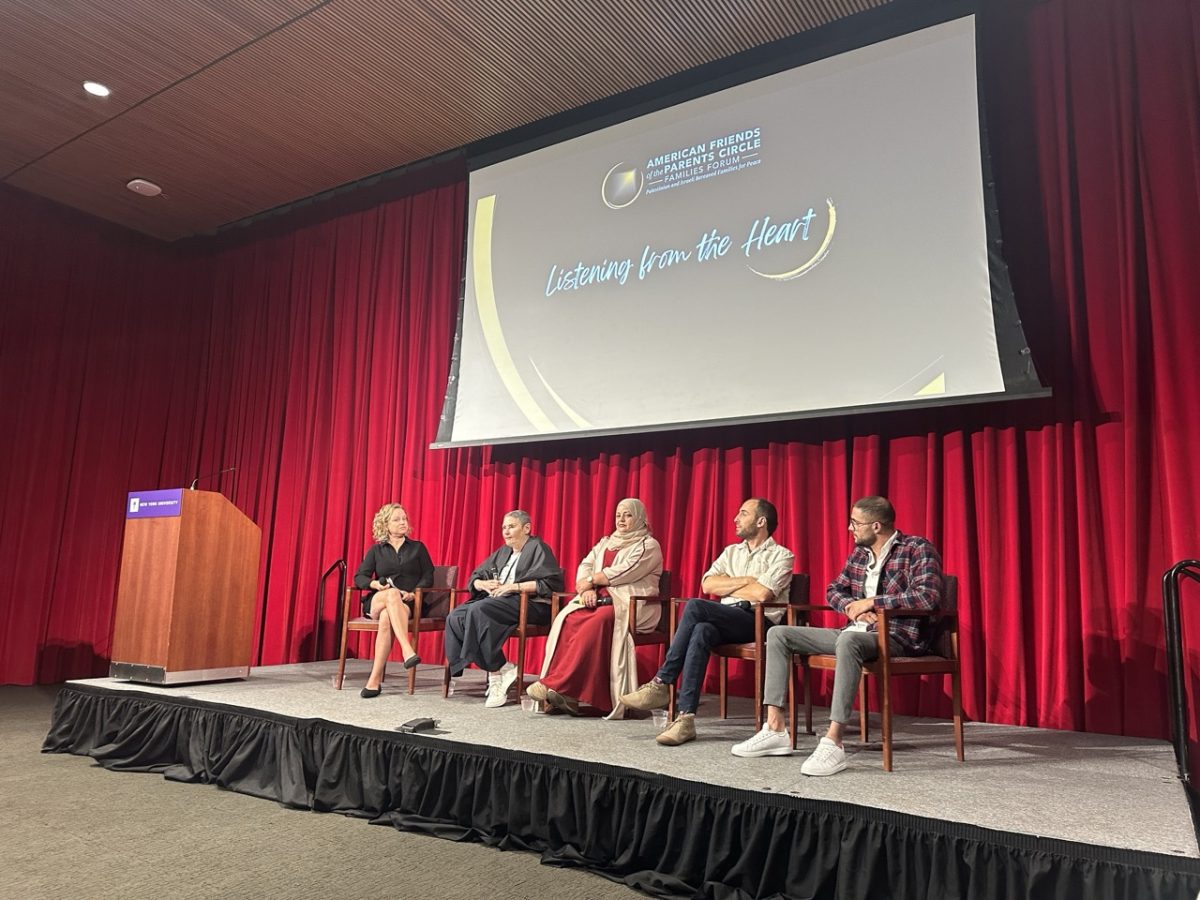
1031	813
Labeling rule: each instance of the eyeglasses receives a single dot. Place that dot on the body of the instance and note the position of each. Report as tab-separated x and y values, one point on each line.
854	526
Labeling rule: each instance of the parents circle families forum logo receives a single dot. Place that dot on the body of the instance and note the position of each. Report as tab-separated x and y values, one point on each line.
622	185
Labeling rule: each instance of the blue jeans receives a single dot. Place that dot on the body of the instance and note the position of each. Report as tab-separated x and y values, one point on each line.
705	624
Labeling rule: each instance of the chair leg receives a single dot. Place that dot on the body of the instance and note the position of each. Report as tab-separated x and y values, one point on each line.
520	662
863	725
792	711
758	691
956	692
722	667
671	704
412	673
446	680
342	659
885	709
808	729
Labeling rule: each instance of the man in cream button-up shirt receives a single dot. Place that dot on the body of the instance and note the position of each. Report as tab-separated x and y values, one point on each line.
755	570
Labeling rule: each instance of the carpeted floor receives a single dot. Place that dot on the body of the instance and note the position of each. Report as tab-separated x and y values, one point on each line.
69	828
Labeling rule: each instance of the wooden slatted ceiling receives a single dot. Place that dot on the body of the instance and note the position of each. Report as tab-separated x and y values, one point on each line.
48	47
237	106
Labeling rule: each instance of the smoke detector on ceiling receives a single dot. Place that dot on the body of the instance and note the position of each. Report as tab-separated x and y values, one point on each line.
144	187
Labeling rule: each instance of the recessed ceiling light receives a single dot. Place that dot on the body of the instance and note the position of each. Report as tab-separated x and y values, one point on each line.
144	187
96	89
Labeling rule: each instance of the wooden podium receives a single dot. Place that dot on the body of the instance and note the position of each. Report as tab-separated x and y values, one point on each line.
188	589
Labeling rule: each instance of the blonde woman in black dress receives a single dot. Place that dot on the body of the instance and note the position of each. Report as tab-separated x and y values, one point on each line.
393	568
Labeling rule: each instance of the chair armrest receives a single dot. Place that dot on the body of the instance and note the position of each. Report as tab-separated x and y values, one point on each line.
422	591
760	619
673	615
885	614
772	604
523	619
419	598
633	602
893	612
454	592
801	611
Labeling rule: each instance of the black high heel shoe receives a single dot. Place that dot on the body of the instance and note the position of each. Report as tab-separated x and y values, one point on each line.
368	693
412	661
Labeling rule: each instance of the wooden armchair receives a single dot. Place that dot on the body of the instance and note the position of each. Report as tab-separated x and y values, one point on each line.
943	659
429	609
523	632
660	635
754	650
657	636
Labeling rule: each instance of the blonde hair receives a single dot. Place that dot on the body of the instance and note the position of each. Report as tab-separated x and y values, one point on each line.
379	523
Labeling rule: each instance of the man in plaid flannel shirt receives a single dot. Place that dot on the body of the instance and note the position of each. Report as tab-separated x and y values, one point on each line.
887	568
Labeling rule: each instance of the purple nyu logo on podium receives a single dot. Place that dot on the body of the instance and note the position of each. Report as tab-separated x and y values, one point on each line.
149	504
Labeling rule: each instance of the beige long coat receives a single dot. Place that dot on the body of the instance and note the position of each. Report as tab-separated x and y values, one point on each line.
634	573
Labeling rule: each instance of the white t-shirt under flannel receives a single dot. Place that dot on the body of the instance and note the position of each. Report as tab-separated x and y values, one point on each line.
874	570
770	565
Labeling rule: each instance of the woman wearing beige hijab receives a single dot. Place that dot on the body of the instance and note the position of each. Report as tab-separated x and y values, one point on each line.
584	663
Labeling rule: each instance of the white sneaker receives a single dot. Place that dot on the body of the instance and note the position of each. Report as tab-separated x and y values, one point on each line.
827	759
765	743
498	685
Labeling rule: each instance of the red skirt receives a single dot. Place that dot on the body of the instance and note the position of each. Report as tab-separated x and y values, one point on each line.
580	667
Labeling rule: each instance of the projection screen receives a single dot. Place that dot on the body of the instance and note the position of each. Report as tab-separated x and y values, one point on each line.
807	243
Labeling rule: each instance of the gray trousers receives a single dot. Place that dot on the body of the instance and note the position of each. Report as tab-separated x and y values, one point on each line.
852	649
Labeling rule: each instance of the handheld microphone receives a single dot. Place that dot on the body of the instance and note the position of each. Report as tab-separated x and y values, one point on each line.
200	478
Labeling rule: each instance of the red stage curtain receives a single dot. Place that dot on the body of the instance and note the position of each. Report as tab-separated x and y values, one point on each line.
316	360
95	341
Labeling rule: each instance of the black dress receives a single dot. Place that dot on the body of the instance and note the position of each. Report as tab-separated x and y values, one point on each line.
407	568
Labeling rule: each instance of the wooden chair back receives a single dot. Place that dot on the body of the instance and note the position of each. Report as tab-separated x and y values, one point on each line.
941	660
429	609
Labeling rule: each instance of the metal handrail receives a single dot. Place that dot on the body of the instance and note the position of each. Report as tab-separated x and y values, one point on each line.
340	566
1187	568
